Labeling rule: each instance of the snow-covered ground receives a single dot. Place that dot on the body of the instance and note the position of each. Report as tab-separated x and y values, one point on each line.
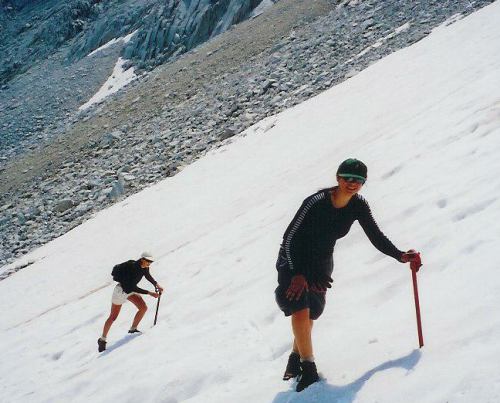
426	120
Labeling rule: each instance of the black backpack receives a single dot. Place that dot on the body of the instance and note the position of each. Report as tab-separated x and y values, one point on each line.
118	270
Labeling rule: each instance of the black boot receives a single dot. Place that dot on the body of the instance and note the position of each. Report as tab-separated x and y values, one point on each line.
101	345
134	331
293	366
309	375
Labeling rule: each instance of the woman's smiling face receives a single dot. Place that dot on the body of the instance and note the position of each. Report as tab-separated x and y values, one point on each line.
349	185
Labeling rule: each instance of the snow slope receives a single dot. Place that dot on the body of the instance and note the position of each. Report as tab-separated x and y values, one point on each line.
426	120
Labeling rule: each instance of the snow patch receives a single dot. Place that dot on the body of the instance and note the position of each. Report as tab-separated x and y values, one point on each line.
118	79
124	39
381	41
263	6
128	38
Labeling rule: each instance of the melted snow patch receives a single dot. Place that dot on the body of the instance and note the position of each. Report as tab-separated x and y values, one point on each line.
265	4
381	41
118	79
124	39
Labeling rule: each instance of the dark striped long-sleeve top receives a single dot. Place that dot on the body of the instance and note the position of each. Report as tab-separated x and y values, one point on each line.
310	238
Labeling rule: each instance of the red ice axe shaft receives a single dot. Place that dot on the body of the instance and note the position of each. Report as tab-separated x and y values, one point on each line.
417	308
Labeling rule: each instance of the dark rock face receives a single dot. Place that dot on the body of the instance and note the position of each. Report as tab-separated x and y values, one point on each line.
177	26
45	73
18	4
111	23
36	29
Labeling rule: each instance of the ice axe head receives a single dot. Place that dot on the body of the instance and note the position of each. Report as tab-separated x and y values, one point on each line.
416	264
413	257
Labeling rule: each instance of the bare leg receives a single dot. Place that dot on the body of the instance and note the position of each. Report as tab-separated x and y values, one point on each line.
115	310
295	348
141	309
302	327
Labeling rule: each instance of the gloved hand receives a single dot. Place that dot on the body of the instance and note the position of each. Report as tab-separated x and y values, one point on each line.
413	257
320	282
297	287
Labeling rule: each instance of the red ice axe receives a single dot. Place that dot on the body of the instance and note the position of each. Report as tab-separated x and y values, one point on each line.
415	264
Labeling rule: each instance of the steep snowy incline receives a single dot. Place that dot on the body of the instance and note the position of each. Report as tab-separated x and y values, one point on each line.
426	120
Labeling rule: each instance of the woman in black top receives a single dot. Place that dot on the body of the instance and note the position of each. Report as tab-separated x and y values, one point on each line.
128	274
305	261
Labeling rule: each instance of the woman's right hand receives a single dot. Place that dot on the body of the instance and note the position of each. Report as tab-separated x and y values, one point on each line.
413	257
154	294
297	287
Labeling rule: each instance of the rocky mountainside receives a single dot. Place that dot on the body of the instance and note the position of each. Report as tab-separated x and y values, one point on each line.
176	113
44	44
32	30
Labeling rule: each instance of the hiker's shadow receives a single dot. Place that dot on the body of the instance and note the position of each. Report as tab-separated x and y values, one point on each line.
124	340
322	392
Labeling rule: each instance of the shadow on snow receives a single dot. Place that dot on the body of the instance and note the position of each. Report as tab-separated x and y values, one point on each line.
119	343
323	392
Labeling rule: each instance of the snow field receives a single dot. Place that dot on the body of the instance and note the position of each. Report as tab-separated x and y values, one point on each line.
426	120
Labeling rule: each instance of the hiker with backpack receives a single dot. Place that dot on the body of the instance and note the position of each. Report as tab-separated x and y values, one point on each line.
128	274
305	259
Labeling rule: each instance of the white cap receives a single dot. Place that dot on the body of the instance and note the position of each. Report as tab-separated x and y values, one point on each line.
147	256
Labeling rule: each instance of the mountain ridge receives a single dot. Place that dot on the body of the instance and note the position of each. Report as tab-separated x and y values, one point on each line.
172	116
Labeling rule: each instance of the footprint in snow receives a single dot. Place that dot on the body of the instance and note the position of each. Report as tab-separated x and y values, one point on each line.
477	208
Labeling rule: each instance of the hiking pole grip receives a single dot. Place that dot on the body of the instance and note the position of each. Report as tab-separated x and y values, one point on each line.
417	308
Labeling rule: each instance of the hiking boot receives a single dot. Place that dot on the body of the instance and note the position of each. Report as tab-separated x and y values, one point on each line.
293	367
309	375
134	331
101	345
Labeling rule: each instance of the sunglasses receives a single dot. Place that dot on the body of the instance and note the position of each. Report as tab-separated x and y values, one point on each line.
353	179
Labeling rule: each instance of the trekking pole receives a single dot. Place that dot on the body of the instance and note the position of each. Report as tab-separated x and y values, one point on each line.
417	307
157	307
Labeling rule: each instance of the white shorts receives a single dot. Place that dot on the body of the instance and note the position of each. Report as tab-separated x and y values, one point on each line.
120	296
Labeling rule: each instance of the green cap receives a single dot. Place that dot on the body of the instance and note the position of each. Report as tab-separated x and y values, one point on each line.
352	168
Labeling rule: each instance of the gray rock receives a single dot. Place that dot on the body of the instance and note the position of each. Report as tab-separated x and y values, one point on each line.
126	177
6	207
32	212
21	219
117	190
63	205
367	24
228	132
351	73
4	220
